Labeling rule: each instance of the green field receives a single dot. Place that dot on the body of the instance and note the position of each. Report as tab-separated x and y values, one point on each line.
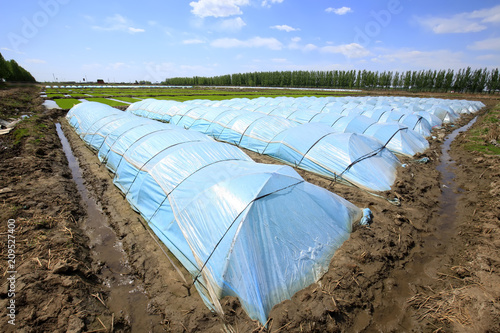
485	139
78	95
183	94
106	101
66	103
129	99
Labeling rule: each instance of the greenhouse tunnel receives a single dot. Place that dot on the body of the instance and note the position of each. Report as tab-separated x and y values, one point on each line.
258	232
356	159
400	124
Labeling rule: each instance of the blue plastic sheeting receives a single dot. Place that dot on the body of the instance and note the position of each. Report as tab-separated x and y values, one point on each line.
352	157
433	120
418	114
398	138
353	124
231	125
447	110
296	144
255	231
355	121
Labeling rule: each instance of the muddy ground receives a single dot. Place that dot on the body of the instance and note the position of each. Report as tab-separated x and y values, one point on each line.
421	266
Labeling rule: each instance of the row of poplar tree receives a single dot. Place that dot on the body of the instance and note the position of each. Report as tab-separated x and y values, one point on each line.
463	80
11	71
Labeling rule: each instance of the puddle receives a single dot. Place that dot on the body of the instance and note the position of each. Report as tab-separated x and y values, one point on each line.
126	295
50	104
117	100
450	192
420	269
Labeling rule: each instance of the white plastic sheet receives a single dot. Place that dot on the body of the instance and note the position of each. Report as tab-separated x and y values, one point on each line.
258	232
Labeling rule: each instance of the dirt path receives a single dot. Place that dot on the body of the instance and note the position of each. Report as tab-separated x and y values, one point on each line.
50	280
400	274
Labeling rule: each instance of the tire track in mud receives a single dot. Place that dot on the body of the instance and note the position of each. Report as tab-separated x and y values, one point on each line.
126	299
425	264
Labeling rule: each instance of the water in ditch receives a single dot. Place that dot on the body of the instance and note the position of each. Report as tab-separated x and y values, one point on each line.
419	270
126	295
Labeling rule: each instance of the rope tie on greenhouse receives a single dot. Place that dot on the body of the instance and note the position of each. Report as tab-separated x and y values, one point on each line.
139	139
215	121
246	129
98	130
182	117
83	134
118	138
152	157
314	144
372	153
232	223
418	121
176	186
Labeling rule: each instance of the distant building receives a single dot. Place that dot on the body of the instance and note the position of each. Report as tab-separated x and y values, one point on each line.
100	81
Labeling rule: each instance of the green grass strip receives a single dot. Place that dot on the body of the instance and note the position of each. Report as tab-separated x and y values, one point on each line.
129	99
66	103
485	137
106	101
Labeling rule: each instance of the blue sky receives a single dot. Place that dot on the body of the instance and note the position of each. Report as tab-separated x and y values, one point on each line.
124	41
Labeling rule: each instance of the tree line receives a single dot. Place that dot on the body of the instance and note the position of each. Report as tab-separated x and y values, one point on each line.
463	80
11	71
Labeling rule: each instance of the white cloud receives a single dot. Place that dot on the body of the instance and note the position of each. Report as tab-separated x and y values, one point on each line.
192	41
267	3
90	67
486	44
231	25
117	23
467	22
352	50
134	30
117	66
339	11
10	50
270	43
457	24
488	57
415	59
166	30
309	47
160	71
489	15
279	60
35	61
89	18
295	45
284	27
217	8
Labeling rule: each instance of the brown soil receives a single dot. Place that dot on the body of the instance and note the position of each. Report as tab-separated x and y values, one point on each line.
54	279
409	271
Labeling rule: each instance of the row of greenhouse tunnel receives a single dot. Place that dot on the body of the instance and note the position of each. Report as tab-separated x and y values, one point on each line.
255	231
